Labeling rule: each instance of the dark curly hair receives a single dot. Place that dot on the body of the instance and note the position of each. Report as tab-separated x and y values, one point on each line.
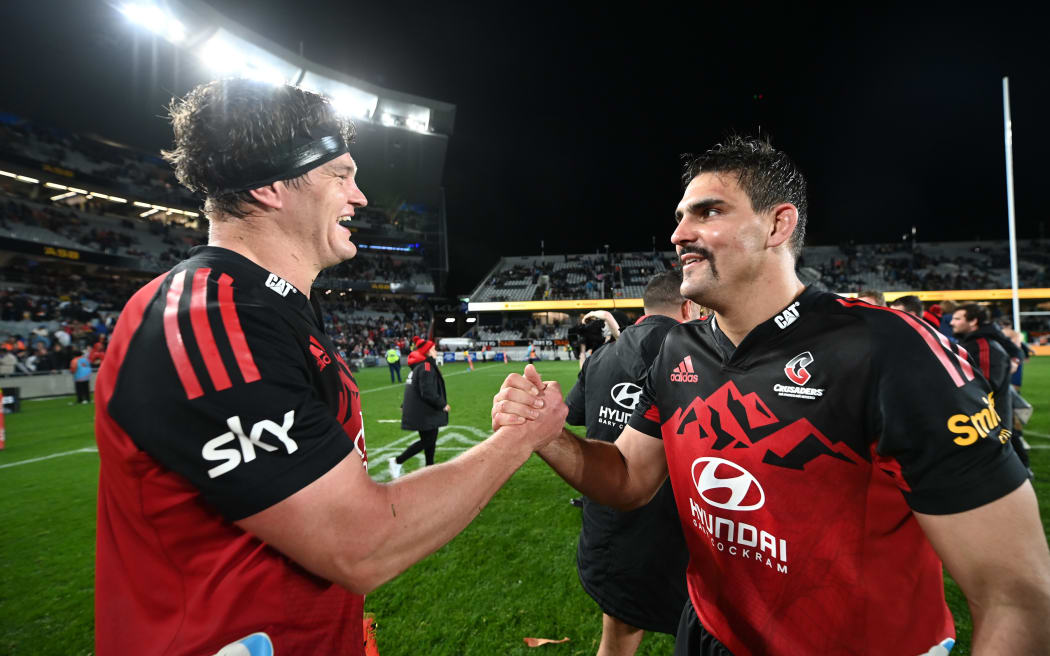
225	129
765	174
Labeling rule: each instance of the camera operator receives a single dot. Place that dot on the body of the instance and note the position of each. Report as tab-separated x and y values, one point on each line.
598	326
631	563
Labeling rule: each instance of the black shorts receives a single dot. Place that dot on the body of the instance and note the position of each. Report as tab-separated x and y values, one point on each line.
693	639
633	564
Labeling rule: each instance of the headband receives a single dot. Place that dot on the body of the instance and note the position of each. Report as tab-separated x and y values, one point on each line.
290	161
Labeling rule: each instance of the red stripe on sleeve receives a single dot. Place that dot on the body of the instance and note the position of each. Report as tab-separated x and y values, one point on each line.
652	414
173	336
964	361
984	358
924	331
233	330
202	331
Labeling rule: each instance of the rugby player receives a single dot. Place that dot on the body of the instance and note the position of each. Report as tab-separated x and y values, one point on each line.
234	504
826	455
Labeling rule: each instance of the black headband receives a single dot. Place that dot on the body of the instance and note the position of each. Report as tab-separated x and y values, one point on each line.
297	158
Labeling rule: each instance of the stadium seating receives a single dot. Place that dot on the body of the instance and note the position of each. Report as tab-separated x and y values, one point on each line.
846	268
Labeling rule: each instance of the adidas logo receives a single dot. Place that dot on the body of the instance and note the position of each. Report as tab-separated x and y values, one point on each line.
683	373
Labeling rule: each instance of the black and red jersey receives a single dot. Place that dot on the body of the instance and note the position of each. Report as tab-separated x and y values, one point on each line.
797	459
220	396
986	347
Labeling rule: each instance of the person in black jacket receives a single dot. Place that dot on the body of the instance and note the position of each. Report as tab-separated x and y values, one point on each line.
631	563
997	358
425	408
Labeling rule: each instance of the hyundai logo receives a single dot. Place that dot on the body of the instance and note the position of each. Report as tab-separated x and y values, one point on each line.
739	485
626	395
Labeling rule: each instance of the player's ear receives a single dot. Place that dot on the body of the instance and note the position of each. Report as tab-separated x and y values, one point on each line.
785	219
269	196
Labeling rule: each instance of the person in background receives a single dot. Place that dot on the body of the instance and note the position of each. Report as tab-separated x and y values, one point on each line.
997	357
947	310
424	408
533	355
81	368
910	304
933	315
872	296
632	564
393	361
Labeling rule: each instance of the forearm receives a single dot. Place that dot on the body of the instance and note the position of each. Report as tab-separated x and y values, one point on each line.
595	468
427	508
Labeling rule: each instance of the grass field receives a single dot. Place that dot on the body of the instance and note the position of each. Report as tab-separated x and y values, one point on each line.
511	574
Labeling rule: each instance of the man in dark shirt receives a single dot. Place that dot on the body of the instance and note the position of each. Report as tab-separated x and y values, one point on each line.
819	449
632	564
997	358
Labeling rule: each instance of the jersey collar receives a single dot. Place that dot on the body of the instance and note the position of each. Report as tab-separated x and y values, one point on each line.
248	274
781	323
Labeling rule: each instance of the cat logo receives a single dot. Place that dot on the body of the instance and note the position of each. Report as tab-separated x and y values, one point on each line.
980	424
787	317
280	285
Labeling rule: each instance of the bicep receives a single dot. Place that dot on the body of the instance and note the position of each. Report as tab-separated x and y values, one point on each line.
645	461
317	525
994	548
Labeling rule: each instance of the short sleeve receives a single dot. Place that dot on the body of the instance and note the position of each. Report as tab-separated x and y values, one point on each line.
577	398
646	416
248	438
939	434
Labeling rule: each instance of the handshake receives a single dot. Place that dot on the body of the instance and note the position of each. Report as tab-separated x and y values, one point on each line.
531	406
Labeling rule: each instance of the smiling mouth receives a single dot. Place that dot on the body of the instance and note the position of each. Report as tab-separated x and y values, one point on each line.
345	222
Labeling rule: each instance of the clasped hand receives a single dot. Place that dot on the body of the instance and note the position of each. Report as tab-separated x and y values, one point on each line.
529	403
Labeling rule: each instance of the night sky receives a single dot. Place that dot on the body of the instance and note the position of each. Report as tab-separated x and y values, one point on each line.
571	121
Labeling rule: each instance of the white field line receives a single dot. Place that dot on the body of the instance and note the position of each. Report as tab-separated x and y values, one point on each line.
458	373
451	439
89	449
1031	434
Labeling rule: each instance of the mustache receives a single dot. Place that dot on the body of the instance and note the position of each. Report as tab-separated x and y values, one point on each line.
695	250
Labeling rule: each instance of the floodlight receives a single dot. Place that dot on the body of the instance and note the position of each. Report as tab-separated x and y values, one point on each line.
9	174
24	178
156	20
149	212
53	185
471	319
139	203
65	195
229	54
450	319
416	123
347	100
388	120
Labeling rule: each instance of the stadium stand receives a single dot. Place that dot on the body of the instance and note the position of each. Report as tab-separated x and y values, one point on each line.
927	266
617	275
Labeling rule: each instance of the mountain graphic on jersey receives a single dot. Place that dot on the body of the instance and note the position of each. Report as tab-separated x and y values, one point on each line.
736	420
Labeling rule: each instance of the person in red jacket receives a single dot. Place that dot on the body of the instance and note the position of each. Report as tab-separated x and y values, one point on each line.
425	407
